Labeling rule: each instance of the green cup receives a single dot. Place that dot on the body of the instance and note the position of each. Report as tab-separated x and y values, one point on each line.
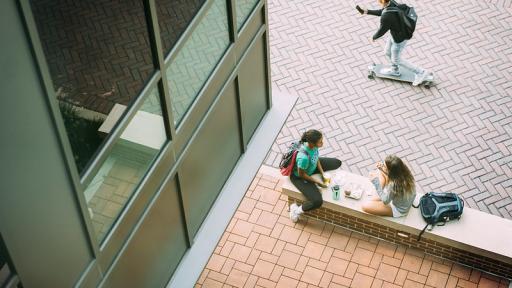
335	192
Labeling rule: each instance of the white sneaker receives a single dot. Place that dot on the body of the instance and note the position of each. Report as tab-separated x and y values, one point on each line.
419	78
294	215
390	71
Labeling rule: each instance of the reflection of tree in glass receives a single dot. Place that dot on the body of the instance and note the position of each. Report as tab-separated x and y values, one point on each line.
82	133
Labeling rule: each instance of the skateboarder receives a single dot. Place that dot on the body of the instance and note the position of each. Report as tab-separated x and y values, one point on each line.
396	41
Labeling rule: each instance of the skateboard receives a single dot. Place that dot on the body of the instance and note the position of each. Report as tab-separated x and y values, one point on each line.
405	76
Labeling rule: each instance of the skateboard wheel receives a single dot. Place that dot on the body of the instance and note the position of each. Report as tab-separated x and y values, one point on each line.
427	86
370	76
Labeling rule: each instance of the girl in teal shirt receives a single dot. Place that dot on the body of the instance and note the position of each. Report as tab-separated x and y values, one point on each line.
308	163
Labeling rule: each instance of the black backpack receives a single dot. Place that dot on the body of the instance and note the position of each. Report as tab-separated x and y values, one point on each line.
437	208
408	18
288	158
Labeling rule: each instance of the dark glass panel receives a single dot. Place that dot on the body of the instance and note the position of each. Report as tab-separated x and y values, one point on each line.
98	54
130	158
198	57
173	19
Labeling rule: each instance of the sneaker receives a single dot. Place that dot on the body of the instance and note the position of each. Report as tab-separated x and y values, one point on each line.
419	78
294	215
390	71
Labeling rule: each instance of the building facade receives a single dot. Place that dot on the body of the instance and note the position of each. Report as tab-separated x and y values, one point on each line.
122	121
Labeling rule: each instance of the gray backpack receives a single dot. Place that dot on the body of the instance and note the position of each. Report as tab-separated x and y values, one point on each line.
437	208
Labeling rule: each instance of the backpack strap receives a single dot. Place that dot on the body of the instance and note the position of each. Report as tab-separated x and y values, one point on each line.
397	7
422	231
301	149
392	9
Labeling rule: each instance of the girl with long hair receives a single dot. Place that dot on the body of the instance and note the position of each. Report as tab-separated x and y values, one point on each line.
308	163
395	188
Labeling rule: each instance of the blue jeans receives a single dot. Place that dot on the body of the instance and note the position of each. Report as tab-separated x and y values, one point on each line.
393	52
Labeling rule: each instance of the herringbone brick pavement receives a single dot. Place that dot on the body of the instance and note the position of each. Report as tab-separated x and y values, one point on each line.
457	136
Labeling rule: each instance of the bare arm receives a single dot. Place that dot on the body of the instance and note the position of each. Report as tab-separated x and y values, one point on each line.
383	179
379	181
383	173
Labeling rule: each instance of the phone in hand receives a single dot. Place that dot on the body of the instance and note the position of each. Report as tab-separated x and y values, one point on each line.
359	9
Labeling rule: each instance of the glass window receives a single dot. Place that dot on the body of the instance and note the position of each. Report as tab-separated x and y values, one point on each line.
196	60
126	165
173	19
98	54
243	9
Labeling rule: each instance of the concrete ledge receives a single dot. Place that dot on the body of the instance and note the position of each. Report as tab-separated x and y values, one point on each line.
476	238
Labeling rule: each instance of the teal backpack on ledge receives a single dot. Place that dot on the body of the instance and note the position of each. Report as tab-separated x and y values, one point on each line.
437	208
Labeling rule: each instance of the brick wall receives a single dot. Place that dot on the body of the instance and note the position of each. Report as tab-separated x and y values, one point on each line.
428	246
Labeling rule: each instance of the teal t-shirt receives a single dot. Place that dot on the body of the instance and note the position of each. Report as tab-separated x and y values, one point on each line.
304	162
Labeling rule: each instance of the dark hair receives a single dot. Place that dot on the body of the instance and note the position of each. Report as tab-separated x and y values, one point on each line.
311	136
400	175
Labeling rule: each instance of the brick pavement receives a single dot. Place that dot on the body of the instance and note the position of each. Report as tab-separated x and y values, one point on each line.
262	248
456	136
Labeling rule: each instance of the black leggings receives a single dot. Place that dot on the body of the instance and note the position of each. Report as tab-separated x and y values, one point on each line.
310	190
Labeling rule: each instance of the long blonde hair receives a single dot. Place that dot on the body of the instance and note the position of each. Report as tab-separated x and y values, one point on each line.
400	175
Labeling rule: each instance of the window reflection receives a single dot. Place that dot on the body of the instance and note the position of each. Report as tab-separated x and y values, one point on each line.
173	19
243	9
196	60
126	165
99	56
